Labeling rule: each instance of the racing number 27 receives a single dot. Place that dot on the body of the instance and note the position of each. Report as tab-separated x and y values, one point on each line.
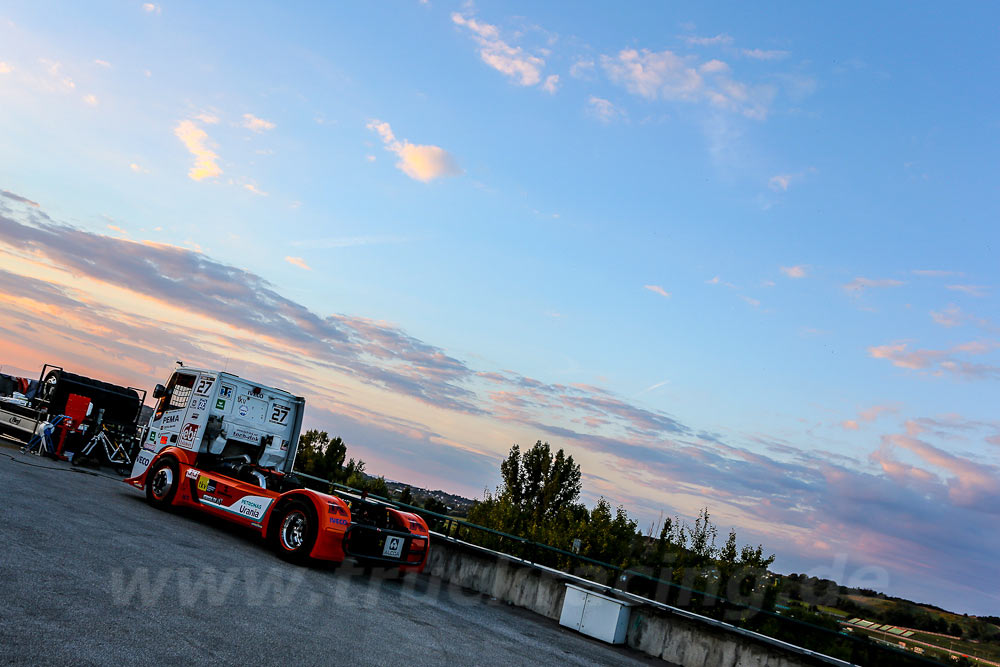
279	414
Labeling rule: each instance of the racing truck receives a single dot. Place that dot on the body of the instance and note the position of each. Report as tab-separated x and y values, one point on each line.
226	446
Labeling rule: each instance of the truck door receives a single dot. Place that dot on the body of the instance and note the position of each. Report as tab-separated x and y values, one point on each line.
166	423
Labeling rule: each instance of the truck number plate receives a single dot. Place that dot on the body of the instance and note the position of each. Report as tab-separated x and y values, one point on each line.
393	547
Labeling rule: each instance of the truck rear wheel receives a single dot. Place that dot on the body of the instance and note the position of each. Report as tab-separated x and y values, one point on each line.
162	482
295	531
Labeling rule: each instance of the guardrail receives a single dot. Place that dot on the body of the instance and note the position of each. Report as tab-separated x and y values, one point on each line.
710	607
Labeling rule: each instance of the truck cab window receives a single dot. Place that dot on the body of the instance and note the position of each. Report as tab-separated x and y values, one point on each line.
178	392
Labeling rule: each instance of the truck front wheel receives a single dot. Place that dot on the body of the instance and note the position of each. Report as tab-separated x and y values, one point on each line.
162	482
295	531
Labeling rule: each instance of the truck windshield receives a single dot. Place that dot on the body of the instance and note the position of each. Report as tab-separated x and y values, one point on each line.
177	394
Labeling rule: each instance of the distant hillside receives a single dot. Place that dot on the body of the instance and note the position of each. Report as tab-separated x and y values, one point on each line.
457	505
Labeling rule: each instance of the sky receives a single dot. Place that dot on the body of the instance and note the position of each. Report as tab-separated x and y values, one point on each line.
734	256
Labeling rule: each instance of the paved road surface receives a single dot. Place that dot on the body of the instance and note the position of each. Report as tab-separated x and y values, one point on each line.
90	574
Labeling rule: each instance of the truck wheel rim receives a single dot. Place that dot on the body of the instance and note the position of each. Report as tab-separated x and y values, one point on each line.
162	481
293	530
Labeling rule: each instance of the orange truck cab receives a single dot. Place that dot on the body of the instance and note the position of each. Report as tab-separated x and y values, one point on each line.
226	446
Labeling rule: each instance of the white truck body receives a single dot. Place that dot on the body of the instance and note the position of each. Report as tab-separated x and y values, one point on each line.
220	414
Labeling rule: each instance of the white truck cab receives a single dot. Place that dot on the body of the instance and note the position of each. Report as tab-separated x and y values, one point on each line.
218	416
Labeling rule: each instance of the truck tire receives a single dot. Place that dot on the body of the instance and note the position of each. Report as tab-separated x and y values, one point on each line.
295	531
162	482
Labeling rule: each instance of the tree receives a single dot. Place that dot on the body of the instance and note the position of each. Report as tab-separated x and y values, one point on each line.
432	504
702	539
538	498
540	484
310	456
334	454
375	486
609	538
406	496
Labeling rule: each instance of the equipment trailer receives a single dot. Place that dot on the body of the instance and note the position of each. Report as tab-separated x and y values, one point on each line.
226	446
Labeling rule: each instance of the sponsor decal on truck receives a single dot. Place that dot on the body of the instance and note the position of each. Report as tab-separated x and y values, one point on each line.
188	435
251	507
246	435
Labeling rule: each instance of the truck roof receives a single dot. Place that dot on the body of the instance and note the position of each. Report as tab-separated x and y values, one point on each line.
233	376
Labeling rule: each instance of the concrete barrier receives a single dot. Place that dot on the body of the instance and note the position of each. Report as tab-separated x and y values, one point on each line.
676	636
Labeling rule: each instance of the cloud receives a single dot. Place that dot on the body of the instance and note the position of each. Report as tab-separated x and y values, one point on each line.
969	484
971	290
251	122
869	415
421	163
6	68
781	182
523	68
720	39
102	63
551	84
953	316
137	168
90	100
659	290
949	317
150	8
717	280
859	284
761	54
714	66
798	271
299	262
665	75
941	362
372	352
582	69
57	81
876	411
194	139
655	75
254	189
899	356
207	118
18	198
604	110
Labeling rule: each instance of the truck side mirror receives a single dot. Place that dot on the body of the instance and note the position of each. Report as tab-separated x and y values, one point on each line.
159	391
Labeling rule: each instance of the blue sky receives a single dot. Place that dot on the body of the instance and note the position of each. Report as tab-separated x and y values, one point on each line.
742	257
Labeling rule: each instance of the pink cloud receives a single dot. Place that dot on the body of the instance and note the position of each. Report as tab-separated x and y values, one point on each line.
798	271
940	362
657	289
971	290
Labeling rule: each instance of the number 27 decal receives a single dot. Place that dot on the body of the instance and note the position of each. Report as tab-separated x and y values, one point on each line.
204	385
279	414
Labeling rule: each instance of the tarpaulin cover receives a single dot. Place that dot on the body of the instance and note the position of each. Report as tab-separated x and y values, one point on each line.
120	405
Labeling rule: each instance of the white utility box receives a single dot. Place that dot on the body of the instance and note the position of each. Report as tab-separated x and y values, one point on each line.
598	616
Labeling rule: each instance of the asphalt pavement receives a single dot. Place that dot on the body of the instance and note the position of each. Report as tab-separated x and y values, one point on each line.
92	575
